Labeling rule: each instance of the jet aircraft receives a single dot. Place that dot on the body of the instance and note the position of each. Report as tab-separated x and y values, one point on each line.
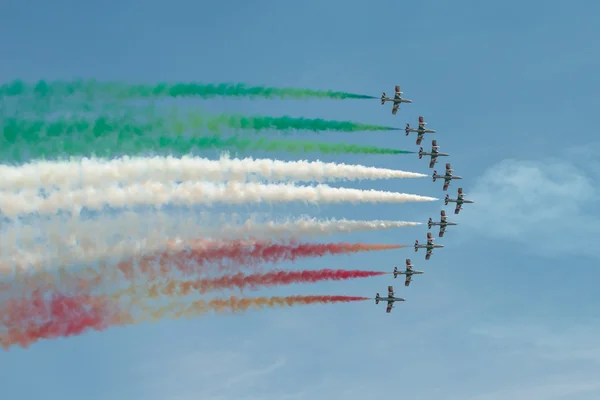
409	272
442	224
429	246
447	178
390	299
421	130
396	100
434	153
460	200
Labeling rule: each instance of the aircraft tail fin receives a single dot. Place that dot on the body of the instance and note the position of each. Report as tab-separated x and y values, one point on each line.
420	152
383	98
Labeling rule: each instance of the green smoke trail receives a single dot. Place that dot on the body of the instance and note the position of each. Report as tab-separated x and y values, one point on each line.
21	140
285	123
35	129
201	90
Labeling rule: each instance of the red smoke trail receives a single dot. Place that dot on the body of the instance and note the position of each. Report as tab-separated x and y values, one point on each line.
87	280
253	281
29	319
247	253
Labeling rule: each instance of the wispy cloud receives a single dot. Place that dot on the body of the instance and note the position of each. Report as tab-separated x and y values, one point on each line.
546	205
571	343
564	388
563	362
238	371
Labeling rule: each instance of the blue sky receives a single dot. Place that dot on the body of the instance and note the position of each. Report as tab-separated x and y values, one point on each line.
508	309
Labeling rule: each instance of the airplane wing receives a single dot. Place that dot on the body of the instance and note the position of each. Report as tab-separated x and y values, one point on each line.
389	307
395	108
446	184
428	255
458	207
432	162
442	230
419	138
460	192
443	213
408	279
421	121
390	291
429	238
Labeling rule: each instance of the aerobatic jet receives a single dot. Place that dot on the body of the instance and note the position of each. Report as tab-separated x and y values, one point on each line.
396	100
421	130
429	246
409	272
447	178
442	224
460	200
434	153
390	299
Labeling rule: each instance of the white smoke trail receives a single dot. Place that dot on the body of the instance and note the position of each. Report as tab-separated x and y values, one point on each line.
189	193
61	241
79	173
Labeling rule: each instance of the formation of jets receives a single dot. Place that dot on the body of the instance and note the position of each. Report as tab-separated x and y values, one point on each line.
448	177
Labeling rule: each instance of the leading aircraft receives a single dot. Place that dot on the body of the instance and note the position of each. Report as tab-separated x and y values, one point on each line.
434	153
409	272
447	178
442	224
429	246
396	100
460	200
390	299
421	130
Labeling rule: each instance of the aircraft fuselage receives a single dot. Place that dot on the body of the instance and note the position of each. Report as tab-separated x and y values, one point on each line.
442	223
400	100
421	130
429	246
390	299
434	154
414	272
458	201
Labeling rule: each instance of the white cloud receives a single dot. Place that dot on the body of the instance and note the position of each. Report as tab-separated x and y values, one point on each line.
546	205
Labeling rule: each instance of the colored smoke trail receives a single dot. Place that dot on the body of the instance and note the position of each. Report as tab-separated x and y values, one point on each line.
241	253
236	304
79	173
249	281
45	89
29	131
286	123
185	145
189	193
61	240
27	320
75	315
185	258
104	136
